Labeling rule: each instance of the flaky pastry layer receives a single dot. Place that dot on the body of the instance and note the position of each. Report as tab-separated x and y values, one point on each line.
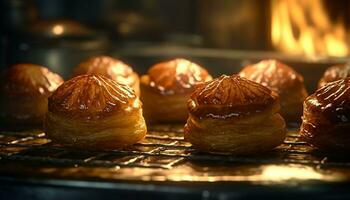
163	108
112	132
292	104
229	136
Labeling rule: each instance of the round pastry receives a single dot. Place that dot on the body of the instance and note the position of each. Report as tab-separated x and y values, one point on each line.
94	112
283	80
24	91
334	73
326	118
110	68
234	115
166	88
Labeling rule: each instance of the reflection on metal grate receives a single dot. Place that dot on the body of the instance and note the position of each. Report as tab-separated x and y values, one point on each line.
164	148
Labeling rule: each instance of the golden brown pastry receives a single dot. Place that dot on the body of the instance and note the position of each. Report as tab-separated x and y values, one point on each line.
23	95
166	88
326	118
94	112
283	80
231	114
110	68
334	73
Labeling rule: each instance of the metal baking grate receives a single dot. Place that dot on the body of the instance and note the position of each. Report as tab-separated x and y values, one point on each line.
164	148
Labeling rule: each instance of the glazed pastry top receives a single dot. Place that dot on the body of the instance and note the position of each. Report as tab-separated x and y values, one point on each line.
332	101
273	74
92	97
30	79
231	96
177	76
108	67
334	73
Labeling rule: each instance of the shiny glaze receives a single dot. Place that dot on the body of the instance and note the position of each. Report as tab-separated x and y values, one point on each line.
230	96
334	73
29	80
176	76
273	74
91	97
108	67
332	101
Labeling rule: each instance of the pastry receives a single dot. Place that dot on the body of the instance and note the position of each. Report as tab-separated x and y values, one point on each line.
282	79
24	91
326	117
234	115
94	112
166	88
110	68
334	73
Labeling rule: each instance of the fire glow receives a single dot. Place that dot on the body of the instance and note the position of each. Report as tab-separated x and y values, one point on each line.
304	28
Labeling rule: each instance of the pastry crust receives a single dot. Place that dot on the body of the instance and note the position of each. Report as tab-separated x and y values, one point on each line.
23	95
110	68
95	112
282	79
167	87
234	115
326	117
334	73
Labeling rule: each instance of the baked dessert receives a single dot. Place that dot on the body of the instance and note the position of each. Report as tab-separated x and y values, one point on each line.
166	88
326	117
234	115
24	90
110	68
94	112
334	73
282	79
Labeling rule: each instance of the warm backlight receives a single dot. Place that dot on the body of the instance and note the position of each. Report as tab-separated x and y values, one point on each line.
303	27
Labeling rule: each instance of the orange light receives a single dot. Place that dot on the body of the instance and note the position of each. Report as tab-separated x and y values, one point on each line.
57	29
303	28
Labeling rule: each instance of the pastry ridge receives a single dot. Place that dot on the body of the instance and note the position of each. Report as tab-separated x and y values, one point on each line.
230	96
92	96
334	73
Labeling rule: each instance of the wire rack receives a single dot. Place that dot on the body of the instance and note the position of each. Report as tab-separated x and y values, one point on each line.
163	148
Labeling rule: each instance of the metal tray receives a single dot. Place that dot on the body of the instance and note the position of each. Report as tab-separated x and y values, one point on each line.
164	159
164	165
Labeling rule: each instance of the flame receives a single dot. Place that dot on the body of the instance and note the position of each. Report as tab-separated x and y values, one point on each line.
303	27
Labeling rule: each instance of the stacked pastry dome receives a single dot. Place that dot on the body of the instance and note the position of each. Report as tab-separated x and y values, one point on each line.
166	88
94	112
111	68
326	118
334	73
234	115
23	94
283	80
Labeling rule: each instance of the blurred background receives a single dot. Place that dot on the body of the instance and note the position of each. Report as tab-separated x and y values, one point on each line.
60	33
